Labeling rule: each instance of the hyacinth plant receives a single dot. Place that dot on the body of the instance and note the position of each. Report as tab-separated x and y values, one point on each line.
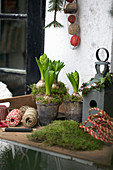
39	88
42	63
58	87
74	80
49	77
48	85
56	66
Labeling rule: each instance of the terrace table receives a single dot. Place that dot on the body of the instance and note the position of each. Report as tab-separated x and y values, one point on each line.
103	157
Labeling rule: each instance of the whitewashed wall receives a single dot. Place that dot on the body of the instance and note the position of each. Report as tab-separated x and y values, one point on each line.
96	26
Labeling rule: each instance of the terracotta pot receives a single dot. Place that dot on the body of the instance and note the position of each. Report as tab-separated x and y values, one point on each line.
47	112
73	111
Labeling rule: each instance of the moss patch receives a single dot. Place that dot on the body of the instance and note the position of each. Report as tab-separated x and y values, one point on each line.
37	91
61	90
72	98
49	99
66	134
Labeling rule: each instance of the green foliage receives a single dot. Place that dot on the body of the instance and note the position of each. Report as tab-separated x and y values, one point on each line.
49	79
61	90
43	59
102	83
66	134
37	91
74	80
55	5
56	66
56	24
49	99
43	64
86	90
42	90
73	98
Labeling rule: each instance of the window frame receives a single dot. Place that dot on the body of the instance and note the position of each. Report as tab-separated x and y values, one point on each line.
35	22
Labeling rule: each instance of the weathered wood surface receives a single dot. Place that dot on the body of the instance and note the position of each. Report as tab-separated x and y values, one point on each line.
103	156
17	102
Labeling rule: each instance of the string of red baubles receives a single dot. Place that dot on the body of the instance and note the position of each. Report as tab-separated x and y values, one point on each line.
70	7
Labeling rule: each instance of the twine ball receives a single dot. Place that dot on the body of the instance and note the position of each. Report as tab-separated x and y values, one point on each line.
30	117
23	109
74	29
14	117
75	41
71	8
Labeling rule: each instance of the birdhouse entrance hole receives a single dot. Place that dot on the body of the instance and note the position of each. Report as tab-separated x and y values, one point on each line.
93	103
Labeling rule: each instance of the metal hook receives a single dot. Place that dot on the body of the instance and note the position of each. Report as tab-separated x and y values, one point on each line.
97	54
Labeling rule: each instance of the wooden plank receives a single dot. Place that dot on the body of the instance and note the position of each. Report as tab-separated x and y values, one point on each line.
18	101
102	157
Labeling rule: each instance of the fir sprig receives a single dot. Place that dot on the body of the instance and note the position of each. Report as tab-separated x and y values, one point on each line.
55	5
56	24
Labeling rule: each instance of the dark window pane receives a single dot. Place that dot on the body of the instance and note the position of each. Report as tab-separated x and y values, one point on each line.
13	6
13	44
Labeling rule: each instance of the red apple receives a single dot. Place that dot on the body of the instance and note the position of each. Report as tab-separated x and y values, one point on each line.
71	19
75	40
69	0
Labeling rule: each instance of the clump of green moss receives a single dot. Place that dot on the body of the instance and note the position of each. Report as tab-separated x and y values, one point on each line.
66	134
49	99
73	98
60	90
37	91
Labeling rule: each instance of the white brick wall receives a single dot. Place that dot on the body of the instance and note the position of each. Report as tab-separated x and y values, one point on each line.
96	26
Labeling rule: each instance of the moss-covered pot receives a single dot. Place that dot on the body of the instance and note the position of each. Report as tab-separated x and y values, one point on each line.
73	110
47	112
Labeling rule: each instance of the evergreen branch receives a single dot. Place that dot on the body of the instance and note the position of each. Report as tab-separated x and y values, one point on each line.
55	24
52	9
55	5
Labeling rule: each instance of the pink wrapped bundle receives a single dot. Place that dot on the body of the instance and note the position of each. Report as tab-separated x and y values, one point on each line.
14	117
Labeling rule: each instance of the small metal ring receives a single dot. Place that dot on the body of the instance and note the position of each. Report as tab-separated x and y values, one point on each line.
97	55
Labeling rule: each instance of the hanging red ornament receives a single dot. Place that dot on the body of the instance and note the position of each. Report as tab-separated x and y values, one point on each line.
71	19
75	40
69	0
